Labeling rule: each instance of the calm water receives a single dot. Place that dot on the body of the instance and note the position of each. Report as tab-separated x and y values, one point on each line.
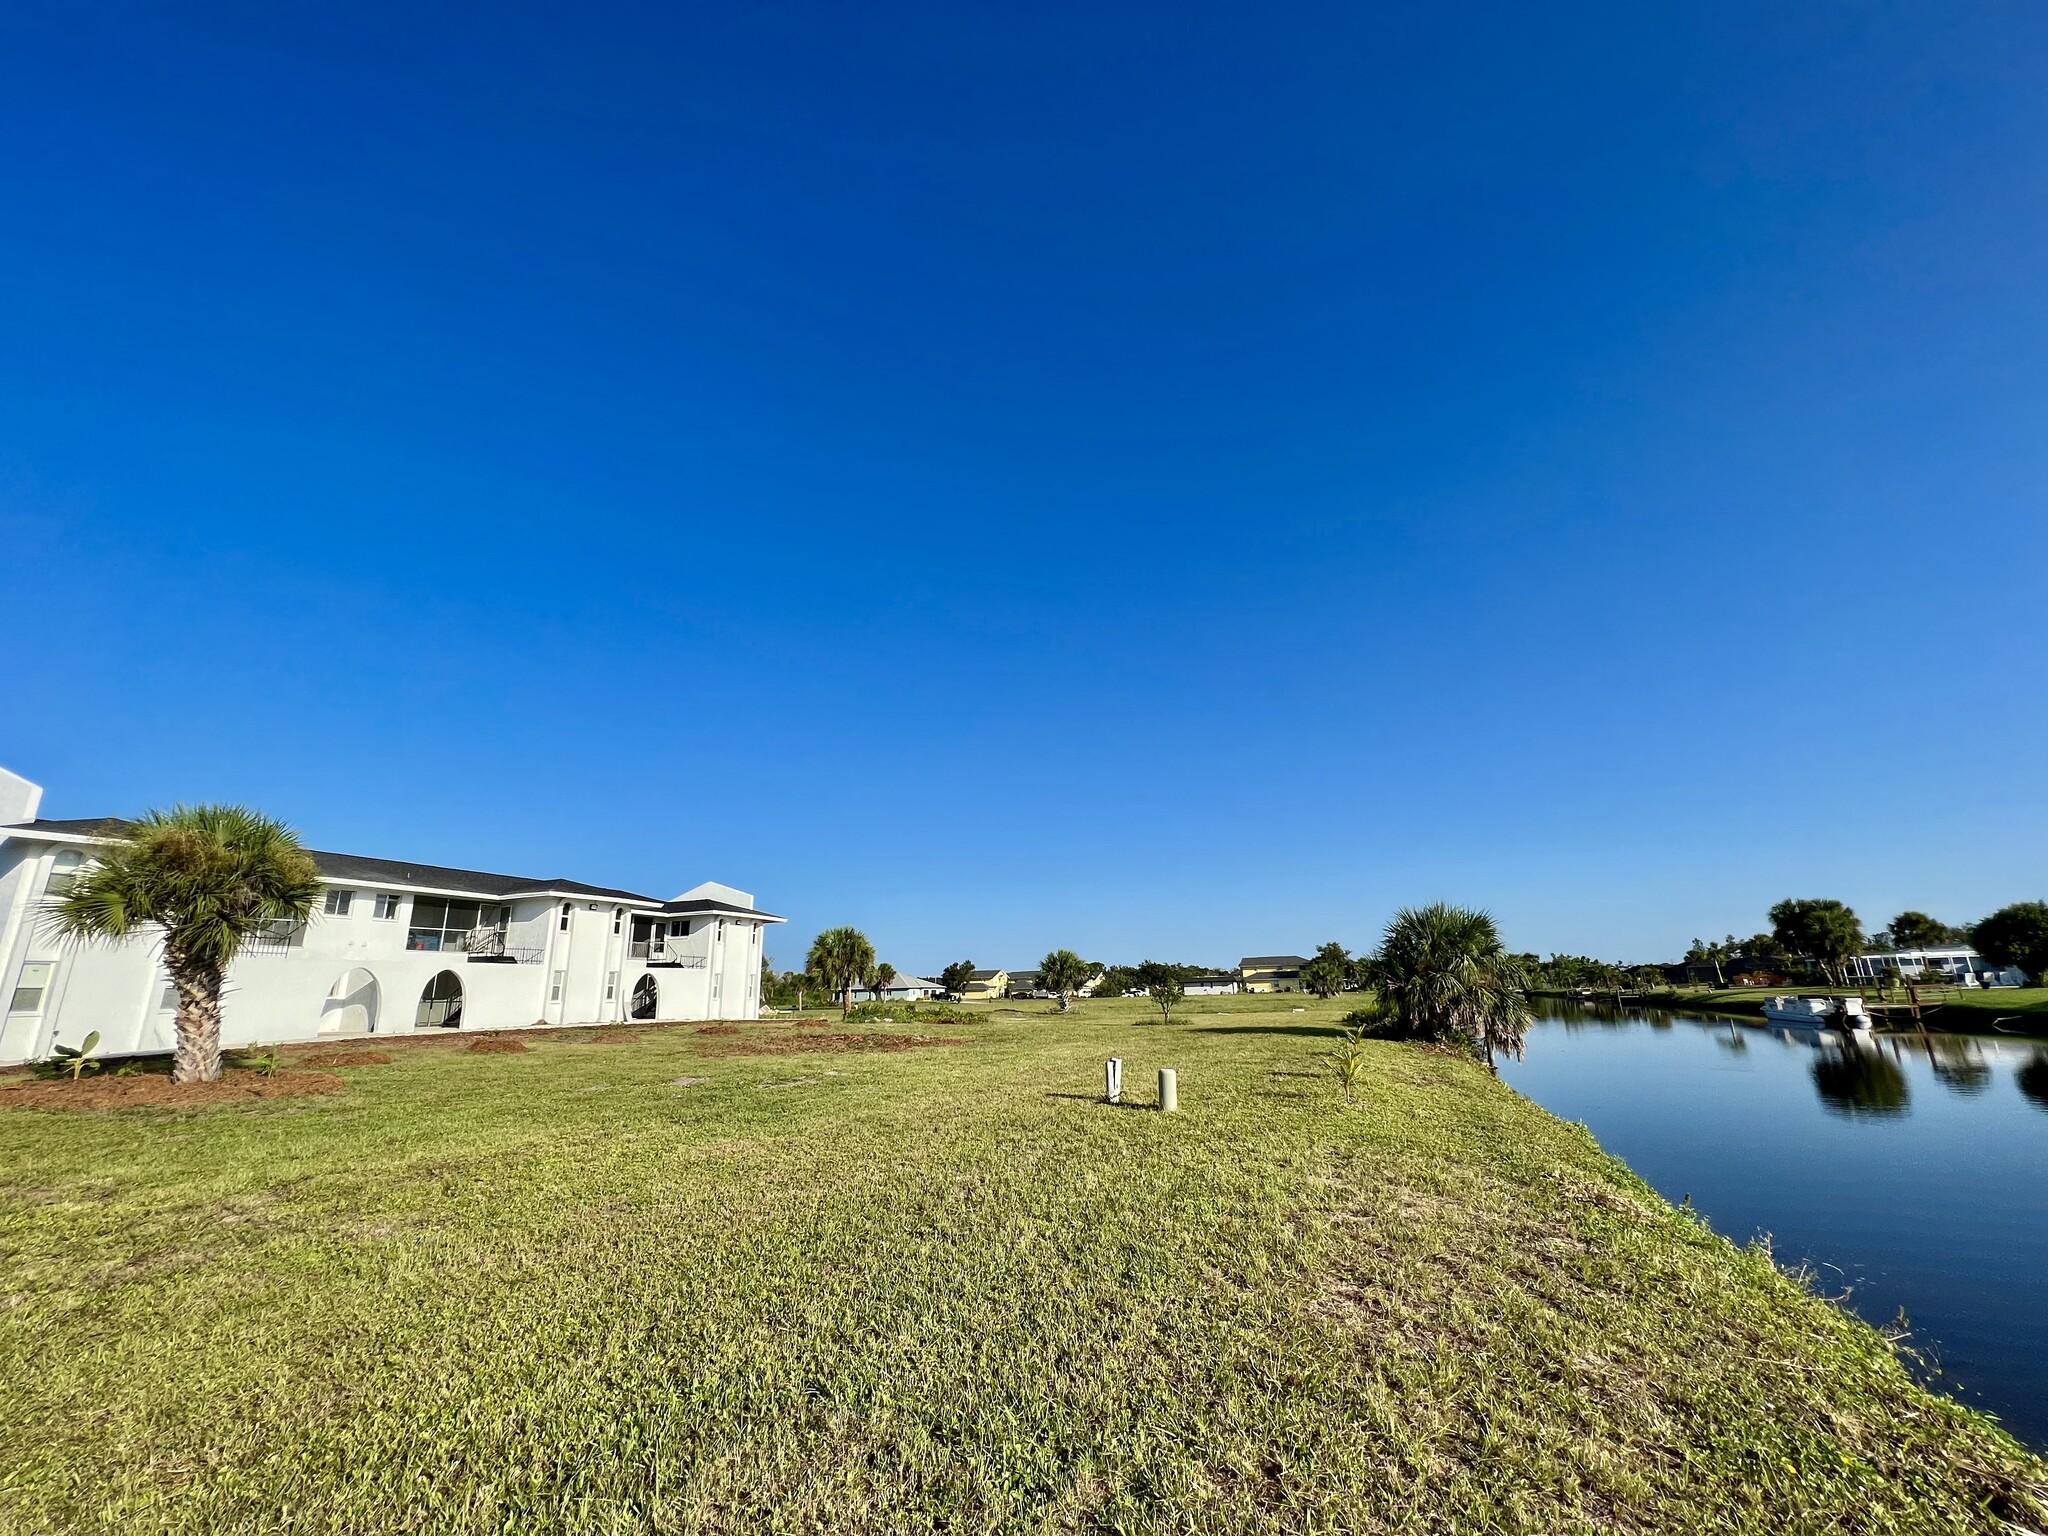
1911	1174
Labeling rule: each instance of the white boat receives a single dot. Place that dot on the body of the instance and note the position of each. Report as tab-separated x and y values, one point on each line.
1817	1012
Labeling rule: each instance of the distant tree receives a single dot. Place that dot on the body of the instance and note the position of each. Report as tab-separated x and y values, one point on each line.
841	959
1447	976
955	977
211	877
1326	974
1063	973
880	979
1916	930
2015	935
1826	930
1116	981
1165	984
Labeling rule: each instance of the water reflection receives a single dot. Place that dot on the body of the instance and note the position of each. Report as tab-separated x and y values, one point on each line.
1855	1077
1958	1063
2033	1079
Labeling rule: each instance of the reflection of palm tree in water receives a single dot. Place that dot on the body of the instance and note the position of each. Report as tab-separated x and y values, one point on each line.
1959	1064
1735	1042
1852	1079
2033	1078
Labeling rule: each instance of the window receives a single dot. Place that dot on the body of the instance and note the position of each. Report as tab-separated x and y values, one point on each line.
555	986
30	989
618	918
337	903
168	1002
564	924
611	985
439	924
387	904
721	928
679	930
63	872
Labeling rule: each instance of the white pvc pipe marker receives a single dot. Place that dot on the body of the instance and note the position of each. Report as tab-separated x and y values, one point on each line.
1113	1080
1169	1091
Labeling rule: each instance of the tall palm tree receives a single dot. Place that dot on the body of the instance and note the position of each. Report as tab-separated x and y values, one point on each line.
841	958
1063	973
210	877
1447	976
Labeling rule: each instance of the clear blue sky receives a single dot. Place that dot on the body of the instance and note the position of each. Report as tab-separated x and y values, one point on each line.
1167	480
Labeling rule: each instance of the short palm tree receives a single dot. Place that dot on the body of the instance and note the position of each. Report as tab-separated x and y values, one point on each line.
880	979
1063	973
1447	976
210	877
841	959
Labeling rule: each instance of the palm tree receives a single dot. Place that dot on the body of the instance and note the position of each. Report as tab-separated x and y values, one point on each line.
211	877
841	959
1447	976
879	979
1063	973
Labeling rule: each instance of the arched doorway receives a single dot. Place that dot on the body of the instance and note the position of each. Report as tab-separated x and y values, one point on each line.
441	1004
645	998
351	1006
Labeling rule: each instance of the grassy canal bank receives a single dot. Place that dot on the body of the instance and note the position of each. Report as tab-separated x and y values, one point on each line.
1972	1011
798	1278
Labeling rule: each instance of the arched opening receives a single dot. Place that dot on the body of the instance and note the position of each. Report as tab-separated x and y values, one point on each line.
645	998
351	1006
441	1004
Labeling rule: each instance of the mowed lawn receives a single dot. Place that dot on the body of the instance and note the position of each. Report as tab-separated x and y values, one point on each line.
936	1289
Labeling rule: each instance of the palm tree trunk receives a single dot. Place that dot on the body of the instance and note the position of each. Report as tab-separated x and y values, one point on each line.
198	1028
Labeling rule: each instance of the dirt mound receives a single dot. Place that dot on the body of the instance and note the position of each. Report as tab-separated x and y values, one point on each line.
349	1059
492	1045
151	1090
805	1045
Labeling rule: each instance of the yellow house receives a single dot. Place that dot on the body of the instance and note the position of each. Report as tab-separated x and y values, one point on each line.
1271	973
986	987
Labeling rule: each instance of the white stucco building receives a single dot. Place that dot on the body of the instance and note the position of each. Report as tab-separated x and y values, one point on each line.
393	948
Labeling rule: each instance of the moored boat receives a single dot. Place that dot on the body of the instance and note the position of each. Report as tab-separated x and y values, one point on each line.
1811	1011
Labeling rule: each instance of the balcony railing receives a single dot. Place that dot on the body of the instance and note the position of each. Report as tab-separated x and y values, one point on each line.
275	938
660	952
488	945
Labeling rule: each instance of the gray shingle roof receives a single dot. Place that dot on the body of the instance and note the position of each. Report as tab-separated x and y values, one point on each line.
355	867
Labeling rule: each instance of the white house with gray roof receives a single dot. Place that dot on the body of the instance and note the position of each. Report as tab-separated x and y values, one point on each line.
393	948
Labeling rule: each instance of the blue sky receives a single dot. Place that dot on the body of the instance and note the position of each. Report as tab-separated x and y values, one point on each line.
1165	480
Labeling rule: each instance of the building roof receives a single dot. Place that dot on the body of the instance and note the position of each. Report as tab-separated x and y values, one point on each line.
1271	962
702	906
352	867
988	975
1210	978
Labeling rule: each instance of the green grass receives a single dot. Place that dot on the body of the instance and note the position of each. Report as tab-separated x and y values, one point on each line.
944	1290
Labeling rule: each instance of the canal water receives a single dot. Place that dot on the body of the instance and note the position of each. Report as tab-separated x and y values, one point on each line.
1909	1171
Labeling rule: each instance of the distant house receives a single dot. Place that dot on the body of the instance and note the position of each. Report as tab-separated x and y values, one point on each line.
903	989
986	987
1271	973
1215	984
1956	965
1025	984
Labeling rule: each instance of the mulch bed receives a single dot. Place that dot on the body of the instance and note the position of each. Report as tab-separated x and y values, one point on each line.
153	1090
350	1059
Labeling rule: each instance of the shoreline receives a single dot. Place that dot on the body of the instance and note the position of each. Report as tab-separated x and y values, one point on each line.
1949	1016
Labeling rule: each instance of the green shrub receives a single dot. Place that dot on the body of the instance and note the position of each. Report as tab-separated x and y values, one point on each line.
911	1013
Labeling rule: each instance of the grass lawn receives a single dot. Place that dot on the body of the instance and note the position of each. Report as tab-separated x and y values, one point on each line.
932	1289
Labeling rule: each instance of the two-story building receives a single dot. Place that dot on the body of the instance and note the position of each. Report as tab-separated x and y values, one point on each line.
986	987
1271	973
392	948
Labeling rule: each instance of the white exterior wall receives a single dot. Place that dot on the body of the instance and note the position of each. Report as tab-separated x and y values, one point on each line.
282	995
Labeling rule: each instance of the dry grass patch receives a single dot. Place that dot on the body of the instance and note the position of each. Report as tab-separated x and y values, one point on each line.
153	1090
